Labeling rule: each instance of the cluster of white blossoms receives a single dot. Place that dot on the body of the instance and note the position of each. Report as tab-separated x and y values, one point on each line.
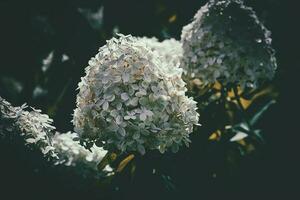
38	133
72	153
34	127
133	97
131	100
227	42
170	49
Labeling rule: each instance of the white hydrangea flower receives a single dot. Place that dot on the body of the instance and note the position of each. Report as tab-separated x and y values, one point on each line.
145	103
34	127
227	42
169	49
38	133
72	153
37	130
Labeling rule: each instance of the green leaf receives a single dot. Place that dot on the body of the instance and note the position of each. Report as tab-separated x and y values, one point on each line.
257	133
258	115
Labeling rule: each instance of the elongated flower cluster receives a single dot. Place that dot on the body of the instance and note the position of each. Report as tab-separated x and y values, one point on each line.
39	134
170	49
227	42
130	100
35	127
72	153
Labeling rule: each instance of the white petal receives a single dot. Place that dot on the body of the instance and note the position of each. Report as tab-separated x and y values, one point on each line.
105	105
143	116
134	101
89	158
141	93
30	140
125	77
149	112
122	131
127	117
119	106
119	120
47	149
134	86
238	136
110	98
124	96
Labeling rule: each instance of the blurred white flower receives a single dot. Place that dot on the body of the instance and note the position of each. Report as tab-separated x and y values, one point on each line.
94	17
65	58
227	42
132	99
47	61
38	92
71	153
170	49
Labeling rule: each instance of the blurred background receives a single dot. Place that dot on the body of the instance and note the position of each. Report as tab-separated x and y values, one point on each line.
45	46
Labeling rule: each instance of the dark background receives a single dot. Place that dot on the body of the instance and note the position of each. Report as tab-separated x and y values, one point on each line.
30	30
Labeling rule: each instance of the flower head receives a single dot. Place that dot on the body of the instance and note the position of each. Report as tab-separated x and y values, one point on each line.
131	100
38	133
30	124
227	42
71	153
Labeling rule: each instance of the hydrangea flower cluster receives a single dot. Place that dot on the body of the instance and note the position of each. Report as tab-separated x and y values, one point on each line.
38	133
170	49
227	42
73	153
130	100
35	127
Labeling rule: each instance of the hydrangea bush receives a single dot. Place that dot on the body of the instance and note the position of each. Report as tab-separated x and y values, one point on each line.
131	100
227	42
